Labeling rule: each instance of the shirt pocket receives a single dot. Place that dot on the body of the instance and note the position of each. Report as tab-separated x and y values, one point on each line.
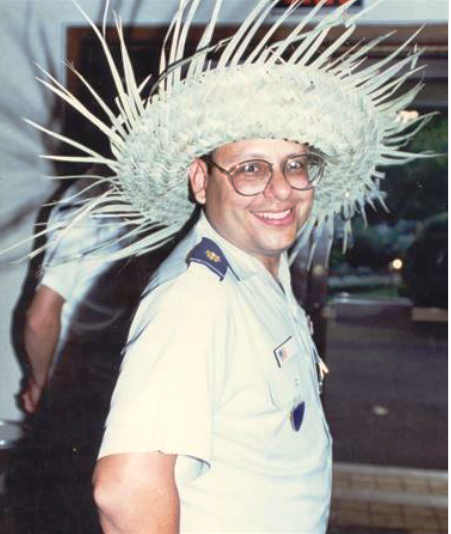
285	384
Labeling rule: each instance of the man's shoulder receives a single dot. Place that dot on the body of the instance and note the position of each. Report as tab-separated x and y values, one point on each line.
196	274
191	292
209	255
197	259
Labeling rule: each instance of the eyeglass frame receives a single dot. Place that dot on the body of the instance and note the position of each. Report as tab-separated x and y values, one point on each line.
208	159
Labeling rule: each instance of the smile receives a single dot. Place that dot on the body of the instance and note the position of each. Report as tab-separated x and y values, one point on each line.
279	217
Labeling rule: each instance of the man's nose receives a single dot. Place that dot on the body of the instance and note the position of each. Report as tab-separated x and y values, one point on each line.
278	187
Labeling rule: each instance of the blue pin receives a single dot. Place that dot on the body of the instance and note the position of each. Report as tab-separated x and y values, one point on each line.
297	416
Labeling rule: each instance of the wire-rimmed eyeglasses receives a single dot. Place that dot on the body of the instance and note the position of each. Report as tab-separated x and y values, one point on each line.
252	177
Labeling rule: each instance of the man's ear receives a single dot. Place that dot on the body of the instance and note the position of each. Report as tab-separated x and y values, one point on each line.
198	177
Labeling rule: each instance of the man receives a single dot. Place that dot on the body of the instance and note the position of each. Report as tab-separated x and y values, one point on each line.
216	423
61	311
74	331
216	420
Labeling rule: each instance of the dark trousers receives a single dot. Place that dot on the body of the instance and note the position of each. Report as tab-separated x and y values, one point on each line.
48	482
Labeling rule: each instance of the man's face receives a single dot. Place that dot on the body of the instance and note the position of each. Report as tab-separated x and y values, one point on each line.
264	225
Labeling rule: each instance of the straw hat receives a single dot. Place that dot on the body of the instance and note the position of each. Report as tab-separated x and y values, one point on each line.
291	89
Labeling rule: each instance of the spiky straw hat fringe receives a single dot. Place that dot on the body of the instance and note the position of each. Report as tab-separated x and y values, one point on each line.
290	89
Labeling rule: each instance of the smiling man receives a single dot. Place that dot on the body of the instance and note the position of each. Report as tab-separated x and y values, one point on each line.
263	200
216	422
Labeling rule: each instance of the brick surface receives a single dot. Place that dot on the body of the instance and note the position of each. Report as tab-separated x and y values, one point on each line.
439	486
419	511
370	484
422	522
388	509
350	518
362	478
386	521
390	488
442	514
391	481
437	491
357	506
366	511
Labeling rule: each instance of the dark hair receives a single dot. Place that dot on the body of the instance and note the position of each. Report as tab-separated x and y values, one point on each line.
206	159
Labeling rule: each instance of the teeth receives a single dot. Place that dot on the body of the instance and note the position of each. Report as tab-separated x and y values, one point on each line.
267	215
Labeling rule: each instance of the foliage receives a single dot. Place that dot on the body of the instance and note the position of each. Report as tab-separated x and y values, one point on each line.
415	192
426	264
419	190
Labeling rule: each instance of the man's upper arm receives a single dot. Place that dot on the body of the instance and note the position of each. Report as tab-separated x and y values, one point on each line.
45	307
137	493
145	469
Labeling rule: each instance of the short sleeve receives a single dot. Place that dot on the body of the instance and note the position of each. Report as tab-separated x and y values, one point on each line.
62	278
62	261
172	373
66	266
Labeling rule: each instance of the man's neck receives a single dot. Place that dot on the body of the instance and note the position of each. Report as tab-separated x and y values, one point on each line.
271	263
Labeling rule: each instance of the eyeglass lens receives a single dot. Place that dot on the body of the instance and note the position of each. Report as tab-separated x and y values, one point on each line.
252	177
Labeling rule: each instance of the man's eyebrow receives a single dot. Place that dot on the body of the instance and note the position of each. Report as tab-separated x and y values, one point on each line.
248	155
296	154
235	159
255	155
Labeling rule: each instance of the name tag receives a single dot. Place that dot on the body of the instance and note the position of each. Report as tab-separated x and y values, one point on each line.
285	351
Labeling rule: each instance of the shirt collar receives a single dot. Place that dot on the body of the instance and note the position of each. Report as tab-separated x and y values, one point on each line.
242	263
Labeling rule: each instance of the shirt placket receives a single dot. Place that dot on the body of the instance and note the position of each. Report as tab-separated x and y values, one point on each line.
290	309
302	332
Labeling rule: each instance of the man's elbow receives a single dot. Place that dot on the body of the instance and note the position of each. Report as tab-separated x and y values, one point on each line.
137	493
116	495
108	492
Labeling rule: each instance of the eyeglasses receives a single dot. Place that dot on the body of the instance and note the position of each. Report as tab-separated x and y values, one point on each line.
253	176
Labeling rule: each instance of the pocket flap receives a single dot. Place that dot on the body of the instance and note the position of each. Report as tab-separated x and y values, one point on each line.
285	385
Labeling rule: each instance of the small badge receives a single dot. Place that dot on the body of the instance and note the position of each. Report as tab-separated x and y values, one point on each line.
297	416
212	256
284	352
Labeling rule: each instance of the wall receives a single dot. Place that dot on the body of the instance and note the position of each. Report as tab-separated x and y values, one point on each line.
33	31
